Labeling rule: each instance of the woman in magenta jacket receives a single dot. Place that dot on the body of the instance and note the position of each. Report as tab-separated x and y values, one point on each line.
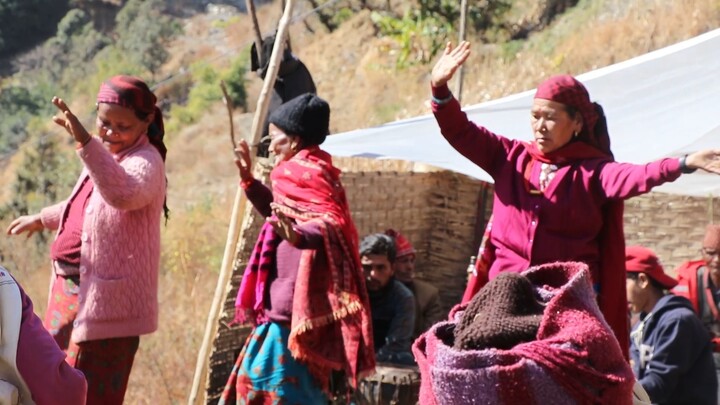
558	198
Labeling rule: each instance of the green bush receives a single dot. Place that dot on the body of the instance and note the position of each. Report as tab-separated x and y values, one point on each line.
26	23
235	81
143	30
419	36
18	105
204	92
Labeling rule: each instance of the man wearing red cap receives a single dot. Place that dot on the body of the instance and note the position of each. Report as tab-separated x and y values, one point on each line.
670	349
427	296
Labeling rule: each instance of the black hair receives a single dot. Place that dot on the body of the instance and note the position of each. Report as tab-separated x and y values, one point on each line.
601	140
634	276
378	244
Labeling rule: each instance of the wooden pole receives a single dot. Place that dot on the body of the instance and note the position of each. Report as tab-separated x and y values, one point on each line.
250	4
461	72
239	208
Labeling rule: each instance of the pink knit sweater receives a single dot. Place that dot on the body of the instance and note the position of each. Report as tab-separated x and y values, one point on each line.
120	251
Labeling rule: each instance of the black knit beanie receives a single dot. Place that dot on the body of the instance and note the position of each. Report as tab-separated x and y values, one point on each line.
502	314
307	116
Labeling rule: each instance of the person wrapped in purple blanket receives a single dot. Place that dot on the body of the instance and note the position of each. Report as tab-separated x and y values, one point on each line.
531	338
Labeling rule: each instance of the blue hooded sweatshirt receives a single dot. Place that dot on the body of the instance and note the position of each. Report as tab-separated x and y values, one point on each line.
671	355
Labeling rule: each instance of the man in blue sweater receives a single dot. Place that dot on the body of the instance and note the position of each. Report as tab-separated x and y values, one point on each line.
670	349
391	303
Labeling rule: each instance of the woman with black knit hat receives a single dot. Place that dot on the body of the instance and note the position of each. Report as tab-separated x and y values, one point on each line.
106	253
303	287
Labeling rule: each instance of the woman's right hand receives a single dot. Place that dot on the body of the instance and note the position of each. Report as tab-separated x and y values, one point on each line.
25	223
243	161
70	122
449	62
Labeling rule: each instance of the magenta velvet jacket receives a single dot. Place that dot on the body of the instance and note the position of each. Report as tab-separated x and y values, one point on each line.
563	223
120	253
42	364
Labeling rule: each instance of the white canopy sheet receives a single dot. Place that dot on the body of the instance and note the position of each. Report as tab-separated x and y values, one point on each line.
663	104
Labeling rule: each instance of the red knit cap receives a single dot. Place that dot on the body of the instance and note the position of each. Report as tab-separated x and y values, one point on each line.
639	259
402	245
712	237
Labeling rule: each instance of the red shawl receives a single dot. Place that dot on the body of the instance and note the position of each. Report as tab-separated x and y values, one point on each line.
485	258
611	273
331	328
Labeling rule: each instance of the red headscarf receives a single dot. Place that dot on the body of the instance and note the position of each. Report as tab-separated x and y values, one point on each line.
567	90
331	324
133	93
594	142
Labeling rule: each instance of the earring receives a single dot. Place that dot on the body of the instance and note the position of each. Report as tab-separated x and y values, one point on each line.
575	134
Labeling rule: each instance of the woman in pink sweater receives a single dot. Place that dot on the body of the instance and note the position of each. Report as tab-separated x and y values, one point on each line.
560	197
106	253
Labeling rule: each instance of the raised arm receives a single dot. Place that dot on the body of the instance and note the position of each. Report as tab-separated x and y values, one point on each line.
476	143
257	193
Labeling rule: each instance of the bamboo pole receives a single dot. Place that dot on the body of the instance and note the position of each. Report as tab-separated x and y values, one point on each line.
250	4
461	72
239	208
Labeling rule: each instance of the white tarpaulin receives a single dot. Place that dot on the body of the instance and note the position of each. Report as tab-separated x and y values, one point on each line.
662	104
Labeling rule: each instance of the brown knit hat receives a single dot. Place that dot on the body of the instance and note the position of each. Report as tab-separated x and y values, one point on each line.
712	237
503	314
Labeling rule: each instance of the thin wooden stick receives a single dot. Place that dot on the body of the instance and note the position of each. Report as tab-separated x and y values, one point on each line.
239	209
461	72
250	4
229	104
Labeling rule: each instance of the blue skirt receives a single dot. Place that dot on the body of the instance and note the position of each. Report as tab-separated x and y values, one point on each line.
266	373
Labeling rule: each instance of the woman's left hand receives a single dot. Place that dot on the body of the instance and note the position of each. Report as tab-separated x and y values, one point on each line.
283	225
69	121
708	160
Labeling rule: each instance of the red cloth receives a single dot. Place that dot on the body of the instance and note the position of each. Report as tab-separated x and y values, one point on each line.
331	324
106	364
687	282
250	302
485	257
66	247
574	357
687	275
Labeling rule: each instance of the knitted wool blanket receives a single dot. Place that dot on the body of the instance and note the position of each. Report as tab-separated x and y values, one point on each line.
574	359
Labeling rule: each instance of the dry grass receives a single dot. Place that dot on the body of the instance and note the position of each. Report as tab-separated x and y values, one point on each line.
353	71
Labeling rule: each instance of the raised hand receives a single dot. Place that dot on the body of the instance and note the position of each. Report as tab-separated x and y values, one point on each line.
69	121
708	160
25	223
449	62
243	160
283	225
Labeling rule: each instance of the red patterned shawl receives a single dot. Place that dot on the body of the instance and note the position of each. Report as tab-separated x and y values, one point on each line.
331	328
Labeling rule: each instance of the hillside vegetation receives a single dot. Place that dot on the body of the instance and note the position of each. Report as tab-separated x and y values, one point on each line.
370	60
